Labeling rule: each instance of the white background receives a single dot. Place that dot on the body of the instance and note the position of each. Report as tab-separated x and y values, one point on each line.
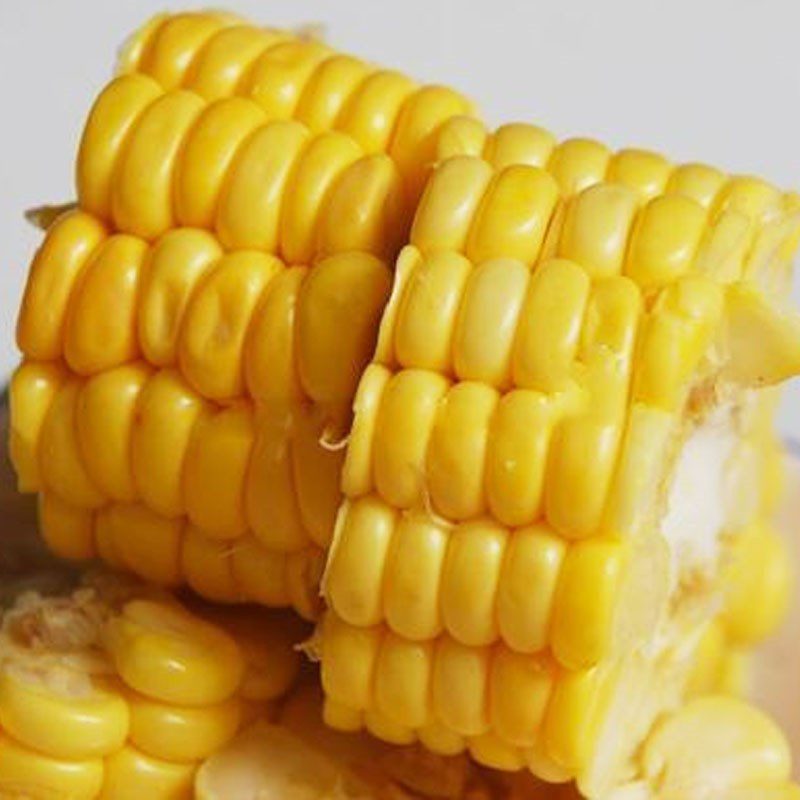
711	80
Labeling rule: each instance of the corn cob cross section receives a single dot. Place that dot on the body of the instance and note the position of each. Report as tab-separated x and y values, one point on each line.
118	691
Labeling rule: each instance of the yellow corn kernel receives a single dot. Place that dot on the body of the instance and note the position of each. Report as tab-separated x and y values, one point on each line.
168	655
215	469
597	228
578	163
402	679
148	544
456	455
178	734
105	417
404	424
493	300
372	113
741	749
645	172
31	393
448	207
271	497
270	363
206	565
760	568
22	767
665	241
69	245
175	266
114	114
67	530
470	580
514	216
91	723
60	461
217	320
526	593
366	212
550	326
519	692
586	601
260	573
94	338
339	307
570	727
762	339
130	775
519	144
387	730
462	136
316	469
428	304
491	751
349	655
412	591
674	339
167	413
329	89
697	181
460	687
355	572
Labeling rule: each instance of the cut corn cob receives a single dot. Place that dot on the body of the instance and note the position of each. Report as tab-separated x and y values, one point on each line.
117	691
551	455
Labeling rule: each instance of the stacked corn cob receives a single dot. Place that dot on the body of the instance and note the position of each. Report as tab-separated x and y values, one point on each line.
532	509
117	691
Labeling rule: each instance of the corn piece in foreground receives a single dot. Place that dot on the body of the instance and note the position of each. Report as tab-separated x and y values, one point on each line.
116	690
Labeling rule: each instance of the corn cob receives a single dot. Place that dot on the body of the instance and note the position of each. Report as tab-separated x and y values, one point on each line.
294	77
563	374
116	690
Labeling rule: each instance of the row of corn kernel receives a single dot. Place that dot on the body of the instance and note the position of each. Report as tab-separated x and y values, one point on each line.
233	323
100	700
507	708
173	552
291	77
579	163
477	581
260	183
132	434
521	211
566	342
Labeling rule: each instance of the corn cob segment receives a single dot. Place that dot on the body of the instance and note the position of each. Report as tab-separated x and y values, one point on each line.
118	691
295	77
559	391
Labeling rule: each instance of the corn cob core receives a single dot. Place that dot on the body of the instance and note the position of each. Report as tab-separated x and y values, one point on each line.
118	691
712	747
